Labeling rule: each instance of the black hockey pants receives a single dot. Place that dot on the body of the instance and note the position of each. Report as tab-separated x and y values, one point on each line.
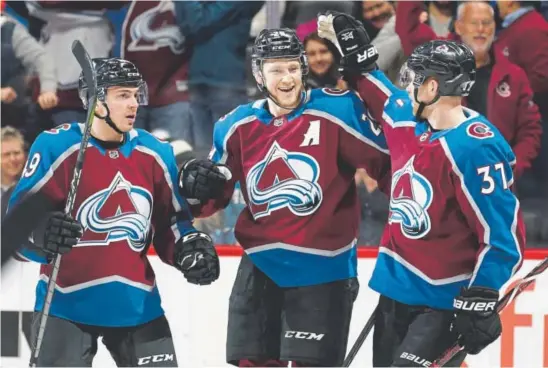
70	344
411	336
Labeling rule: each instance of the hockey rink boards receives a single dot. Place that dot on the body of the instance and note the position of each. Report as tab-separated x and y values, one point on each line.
198	316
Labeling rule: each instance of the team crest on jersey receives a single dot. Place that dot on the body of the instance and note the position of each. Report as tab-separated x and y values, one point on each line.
284	180
411	196
152	30
120	212
479	131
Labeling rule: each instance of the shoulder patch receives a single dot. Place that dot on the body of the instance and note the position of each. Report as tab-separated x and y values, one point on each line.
479	130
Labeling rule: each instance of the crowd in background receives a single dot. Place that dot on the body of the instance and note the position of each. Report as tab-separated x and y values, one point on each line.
195	58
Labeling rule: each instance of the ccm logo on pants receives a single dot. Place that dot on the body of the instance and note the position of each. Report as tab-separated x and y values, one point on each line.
155	359
303	335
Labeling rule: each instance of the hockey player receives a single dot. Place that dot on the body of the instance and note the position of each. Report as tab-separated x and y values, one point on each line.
294	154
125	200
455	234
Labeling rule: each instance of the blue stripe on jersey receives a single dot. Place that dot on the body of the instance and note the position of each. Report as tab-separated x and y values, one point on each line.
288	268
350	112
226	126
485	176
113	304
164	152
398	109
392	279
47	152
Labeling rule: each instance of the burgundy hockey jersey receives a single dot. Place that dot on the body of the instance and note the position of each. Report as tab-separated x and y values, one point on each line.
125	199
454	220
297	177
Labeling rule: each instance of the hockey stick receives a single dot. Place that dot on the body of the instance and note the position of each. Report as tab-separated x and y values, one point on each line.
360	340
90	77
507	298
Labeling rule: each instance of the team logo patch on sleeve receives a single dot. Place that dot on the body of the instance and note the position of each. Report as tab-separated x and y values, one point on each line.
479	131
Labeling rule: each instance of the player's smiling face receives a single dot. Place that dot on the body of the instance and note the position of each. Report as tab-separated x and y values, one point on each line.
122	103
283	78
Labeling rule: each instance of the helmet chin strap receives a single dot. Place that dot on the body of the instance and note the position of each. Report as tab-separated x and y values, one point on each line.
422	105
109	120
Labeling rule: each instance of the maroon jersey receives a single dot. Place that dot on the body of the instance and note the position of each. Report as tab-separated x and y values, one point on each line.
125	199
454	220
152	40
296	173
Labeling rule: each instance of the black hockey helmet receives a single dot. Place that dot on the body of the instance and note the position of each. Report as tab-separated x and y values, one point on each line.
451	63
277	43
113	72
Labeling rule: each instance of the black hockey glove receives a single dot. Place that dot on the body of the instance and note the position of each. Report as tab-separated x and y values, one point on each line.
196	257
202	179
358	54
477	321
61	233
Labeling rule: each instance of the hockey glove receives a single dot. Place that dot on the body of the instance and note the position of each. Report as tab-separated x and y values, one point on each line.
61	233
197	259
350	37
202	179
477	321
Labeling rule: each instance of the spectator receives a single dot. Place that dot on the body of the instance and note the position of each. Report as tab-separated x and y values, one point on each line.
217	32
440	16
322	64
298	12
382	23
13	161
22	56
153	41
501	92
524	40
64	22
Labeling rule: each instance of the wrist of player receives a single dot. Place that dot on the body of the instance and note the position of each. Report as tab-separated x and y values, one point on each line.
61	233
477	321
195	256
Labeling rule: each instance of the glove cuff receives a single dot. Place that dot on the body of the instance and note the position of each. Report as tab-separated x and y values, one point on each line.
477	300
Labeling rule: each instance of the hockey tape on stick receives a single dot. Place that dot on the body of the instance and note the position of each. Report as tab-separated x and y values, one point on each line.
506	299
360	340
90	77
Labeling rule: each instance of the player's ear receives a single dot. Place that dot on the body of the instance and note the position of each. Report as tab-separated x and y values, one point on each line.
100	109
259	78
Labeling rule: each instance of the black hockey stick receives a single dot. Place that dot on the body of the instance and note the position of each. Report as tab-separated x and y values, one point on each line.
360	340
91	80
507	298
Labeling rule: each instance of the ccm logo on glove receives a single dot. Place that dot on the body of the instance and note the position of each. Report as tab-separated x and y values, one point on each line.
466	305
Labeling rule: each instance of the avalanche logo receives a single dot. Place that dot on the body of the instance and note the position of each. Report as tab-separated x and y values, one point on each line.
284	180
411	196
152	30
120	212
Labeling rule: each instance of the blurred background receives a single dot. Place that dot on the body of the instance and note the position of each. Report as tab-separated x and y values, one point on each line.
195	57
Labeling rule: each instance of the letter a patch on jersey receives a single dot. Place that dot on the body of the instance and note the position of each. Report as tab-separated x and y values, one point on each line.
284	180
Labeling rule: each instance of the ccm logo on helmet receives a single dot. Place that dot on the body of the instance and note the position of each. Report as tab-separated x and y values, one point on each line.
283	47
479	131
303	335
474	306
